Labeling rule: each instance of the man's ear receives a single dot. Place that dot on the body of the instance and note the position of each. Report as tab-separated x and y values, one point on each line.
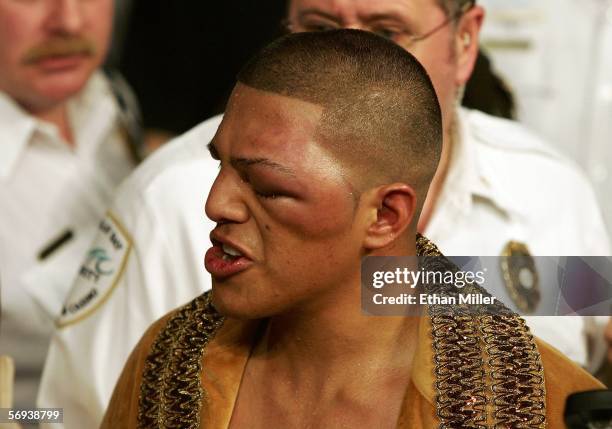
395	207
466	43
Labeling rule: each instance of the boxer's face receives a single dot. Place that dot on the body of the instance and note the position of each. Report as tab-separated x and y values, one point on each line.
49	48
283	203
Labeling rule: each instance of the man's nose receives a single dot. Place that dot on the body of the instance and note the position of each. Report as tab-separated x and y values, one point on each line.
66	16
225	201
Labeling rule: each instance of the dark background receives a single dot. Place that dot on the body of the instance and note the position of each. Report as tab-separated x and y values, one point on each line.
181	57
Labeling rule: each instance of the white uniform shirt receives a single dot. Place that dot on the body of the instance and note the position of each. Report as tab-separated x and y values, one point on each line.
503	184
46	189
565	98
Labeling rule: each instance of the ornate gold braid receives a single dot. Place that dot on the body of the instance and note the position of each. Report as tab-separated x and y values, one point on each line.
171	393
471	345
516	371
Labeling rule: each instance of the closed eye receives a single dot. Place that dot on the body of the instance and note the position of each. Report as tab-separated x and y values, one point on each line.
267	195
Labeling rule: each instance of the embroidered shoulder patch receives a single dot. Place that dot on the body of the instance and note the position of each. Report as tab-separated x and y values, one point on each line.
100	272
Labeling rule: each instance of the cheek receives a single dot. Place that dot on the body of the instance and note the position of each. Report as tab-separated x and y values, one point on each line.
442	70
330	217
438	57
99	15
17	35
308	243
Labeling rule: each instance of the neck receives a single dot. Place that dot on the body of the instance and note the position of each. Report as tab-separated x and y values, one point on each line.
437	184
324	347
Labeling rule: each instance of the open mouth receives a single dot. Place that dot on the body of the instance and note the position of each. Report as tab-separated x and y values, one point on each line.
229	253
223	260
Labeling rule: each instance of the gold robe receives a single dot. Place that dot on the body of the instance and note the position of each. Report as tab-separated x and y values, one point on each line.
469	371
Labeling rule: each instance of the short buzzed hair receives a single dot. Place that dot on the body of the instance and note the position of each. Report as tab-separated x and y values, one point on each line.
380	111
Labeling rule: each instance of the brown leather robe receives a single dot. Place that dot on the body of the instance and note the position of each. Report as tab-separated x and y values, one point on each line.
486	371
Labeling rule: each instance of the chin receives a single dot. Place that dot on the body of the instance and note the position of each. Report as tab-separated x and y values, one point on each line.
59	87
232	308
63	89
236	306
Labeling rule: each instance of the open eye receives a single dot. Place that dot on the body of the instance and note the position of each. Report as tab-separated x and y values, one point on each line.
321	27
312	25
387	32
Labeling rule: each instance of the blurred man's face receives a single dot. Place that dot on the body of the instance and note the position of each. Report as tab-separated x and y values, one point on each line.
49	48
286	232
397	20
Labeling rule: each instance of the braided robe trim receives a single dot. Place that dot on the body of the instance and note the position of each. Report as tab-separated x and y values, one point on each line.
171	393
472	350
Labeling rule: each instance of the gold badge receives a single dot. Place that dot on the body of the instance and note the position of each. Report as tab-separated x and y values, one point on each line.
520	276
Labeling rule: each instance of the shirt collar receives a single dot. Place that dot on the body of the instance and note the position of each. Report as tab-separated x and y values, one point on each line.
16	128
92	112
470	175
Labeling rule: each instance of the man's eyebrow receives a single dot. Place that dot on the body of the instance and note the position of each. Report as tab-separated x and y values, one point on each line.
264	162
386	16
322	14
248	162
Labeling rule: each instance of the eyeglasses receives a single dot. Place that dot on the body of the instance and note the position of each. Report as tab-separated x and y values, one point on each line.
401	36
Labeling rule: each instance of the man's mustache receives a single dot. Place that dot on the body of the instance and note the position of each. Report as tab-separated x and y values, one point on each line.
59	47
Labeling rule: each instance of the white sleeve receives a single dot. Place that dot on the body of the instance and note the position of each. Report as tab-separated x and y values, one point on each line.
592	239
146	260
592	225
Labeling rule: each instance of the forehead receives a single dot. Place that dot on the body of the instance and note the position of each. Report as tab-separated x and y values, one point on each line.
258	121
283	130
365	9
